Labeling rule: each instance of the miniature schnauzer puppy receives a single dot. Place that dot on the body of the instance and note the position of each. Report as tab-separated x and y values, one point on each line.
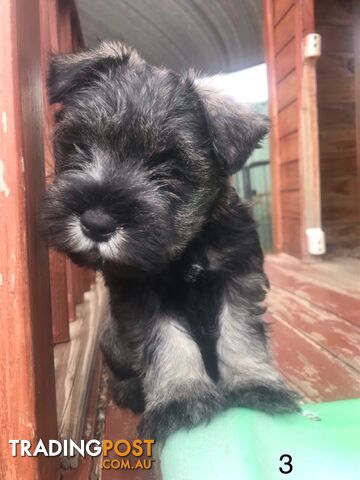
142	194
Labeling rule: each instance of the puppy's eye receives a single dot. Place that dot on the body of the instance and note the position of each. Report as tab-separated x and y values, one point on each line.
69	167
72	148
163	157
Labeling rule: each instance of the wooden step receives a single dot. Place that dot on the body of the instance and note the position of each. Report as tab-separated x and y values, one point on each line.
328	286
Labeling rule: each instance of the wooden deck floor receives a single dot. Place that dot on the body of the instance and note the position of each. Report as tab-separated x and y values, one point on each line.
122	423
315	315
314	312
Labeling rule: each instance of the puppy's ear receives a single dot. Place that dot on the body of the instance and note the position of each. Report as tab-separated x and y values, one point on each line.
67	73
235	129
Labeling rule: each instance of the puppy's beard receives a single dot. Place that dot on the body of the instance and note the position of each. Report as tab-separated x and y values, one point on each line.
113	249
76	240
110	250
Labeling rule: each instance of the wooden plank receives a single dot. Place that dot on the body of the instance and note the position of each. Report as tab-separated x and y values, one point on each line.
332	12
70	38
59	305
356	23
336	65
296	138
27	380
91	277
287	90
342	236
289	174
74	363
65	31
121	423
288	120
291	236
337	141
337	116
284	31
336	38
66	46
30	71
321	375
325	272
293	277
341	187
340	199
336	90
284	61
329	331
343	207
77	38
335	164
85	467
69	289
268	24
289	148
306	19
78	279
59	302
309	159
340	209
290	204
280	8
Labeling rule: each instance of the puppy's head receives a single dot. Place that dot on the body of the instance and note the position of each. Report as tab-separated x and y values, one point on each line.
141	154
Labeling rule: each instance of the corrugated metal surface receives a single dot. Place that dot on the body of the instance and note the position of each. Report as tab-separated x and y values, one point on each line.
213	36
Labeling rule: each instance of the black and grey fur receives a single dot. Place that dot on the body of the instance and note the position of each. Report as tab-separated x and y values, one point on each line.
142	193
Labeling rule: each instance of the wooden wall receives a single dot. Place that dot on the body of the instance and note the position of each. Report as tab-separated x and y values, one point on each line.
286	22
27	382
338	80
34	286
286	73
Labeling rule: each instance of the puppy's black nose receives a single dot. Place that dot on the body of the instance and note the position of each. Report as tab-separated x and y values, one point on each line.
97	224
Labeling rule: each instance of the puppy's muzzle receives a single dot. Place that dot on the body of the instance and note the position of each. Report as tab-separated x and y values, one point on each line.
97	224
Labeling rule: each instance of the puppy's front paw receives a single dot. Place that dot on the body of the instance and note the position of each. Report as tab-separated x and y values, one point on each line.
267	398
184	412
129	394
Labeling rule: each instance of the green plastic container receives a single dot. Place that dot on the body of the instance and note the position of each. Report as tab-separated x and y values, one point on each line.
242	444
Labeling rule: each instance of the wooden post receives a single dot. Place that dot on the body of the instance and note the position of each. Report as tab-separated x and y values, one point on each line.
309	156
309	145
294	133
50	45
27	385
268	23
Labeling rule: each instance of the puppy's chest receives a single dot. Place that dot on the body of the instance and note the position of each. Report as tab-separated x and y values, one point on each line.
194	296
191	289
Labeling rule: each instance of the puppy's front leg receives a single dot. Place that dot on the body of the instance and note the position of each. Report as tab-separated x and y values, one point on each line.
178	391
247	376
127	389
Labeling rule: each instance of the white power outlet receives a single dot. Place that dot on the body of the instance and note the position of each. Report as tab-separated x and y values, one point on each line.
315	241
312	45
